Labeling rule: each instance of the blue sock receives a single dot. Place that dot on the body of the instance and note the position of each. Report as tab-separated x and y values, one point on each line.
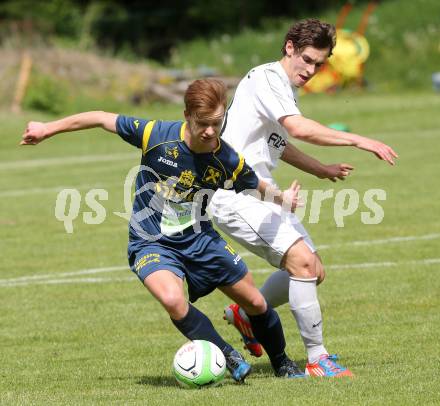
196	326
269	333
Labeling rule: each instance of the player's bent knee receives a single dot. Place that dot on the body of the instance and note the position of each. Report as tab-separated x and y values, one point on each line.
254	305
170	301
320	275
320	272
174	303
259	304
302	265
300	261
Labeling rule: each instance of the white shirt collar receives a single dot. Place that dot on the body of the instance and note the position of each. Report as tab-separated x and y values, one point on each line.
283	74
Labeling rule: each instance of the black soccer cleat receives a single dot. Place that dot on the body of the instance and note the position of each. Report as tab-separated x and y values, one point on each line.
237	366
289	369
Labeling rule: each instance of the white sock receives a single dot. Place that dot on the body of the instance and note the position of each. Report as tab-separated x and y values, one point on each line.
276	288
303	301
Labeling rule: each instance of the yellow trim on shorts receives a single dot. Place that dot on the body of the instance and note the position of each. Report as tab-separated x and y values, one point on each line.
146	136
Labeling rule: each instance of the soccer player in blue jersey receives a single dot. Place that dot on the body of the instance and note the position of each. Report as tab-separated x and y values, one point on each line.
170	236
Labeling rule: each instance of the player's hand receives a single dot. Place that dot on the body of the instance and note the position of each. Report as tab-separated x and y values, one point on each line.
336	171
290	197
34	133
381	150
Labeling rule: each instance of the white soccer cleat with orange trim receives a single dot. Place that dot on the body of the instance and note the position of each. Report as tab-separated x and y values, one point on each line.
326	366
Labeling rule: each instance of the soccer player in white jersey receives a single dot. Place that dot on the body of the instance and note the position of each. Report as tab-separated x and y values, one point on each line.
263	115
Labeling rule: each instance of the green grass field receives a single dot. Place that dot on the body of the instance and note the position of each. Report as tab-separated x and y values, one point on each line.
76	327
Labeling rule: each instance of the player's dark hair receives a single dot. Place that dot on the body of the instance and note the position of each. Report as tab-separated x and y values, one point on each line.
204	96
311	32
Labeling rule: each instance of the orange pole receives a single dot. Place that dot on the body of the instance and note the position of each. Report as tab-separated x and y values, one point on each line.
365	16
23	80
343	15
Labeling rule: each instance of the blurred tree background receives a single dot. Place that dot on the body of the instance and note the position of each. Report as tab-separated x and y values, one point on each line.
89	54
145	28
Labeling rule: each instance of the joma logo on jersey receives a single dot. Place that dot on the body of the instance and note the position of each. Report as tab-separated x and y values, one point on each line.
276	141
167	162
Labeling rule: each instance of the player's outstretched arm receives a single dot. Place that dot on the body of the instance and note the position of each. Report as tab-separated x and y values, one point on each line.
293	156
311	131
37	132
289	198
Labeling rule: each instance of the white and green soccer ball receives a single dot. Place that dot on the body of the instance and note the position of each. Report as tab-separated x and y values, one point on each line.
199	364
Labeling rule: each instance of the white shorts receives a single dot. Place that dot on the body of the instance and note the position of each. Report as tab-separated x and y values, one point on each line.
261	227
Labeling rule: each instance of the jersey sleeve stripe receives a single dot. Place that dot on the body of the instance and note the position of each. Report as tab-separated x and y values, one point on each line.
182	131
218	146
238	169
146	136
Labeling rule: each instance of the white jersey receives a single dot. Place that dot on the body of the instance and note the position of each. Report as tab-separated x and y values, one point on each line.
262	97
251	127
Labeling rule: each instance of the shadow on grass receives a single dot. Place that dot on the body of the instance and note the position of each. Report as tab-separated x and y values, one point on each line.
169	381
265	369
262	370
158	380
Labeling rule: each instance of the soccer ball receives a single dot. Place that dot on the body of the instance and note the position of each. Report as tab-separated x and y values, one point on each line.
199	363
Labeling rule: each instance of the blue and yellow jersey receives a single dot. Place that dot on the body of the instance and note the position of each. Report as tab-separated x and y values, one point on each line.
174	184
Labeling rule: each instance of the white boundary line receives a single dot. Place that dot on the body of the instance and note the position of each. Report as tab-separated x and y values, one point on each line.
383	241
45	279
72	273
45	190
68	160
34	163
391	240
